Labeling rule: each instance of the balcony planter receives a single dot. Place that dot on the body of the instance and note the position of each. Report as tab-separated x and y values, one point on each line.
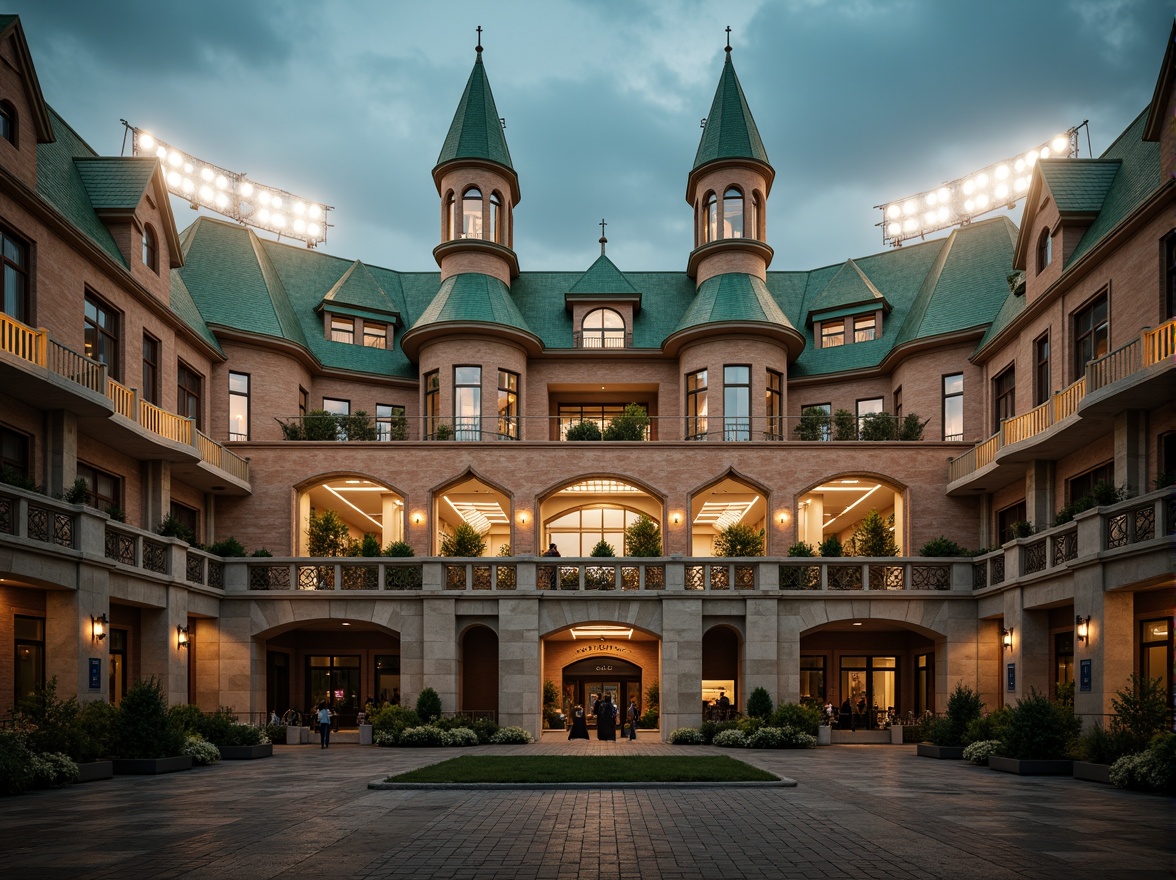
247	753
92	771
1092	772
150	766
1031	767
944	753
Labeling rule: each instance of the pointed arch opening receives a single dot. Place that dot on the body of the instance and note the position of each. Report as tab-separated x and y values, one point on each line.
449	218
733	212
837	507
710	217
365	507
582	514
729	500
471	213
496	217
477	503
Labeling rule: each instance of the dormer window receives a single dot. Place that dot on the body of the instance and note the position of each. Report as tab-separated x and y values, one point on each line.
342	330
8	122
710	211
375	335
471	213
864	328
733	213
150	249
603	328
495	215
832	333
1044	250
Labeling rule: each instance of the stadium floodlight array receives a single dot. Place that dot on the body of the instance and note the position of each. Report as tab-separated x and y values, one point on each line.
234	195
958	202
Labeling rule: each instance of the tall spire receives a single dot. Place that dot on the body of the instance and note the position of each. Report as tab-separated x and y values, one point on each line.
730	131
477	130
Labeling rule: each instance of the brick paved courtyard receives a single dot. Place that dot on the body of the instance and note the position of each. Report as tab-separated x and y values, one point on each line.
857	811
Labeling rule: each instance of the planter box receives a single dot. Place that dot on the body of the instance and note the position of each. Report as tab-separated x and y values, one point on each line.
150	766
944	753
896	734
365	734
92	771
1092	772
1031	768
824	735
246	753
293	736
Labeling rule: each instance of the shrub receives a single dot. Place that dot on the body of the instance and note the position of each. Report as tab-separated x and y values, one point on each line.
512	736
420	737
51	769
759	703
1152	770
385	738
396	429
631	424
686	736
739	539
602	549
1101	746
357	426
730	739
803	719
584	431
443	432
459	737
49	724
643	538
275	733
96	722
801	550
830	547
465	541
748	726
963	707
648	719
15	760
221	728
79	492
980	751
327	534
428	705
229	547
11	477
173	528
1040	728
781	738
186	718
503	550
399	548
986	727
1140	711
200	750
912	427
143	728
937	730
873	537
813	424
879	426
370	545
941	547
1021	529
116	513
845	426
391	721
260	552
484	728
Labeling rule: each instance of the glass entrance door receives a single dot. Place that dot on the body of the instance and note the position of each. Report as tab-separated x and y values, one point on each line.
336	680
871	686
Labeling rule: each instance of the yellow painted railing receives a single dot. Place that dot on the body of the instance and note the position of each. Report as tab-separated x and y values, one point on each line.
23	341
216	455
165	424
1159	344
1065	402
122	397
986	451
67	363
1028	425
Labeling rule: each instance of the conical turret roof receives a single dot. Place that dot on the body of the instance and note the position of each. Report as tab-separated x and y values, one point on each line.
730	131
476	131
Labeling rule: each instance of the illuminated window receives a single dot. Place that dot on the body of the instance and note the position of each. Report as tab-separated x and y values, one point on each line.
150	389
471	213
696	405
832	333
15	299
495	216
1004	397
1091	334
101	334
953	407
150	249
710	211
238	406
868	407
736	403
467	403
432	401
190	386
864	328
375	335
390	422
1044	250
603	328
29	636
449	217
774	405
8	119
342	329
733	213
581	529
508	405
1041	380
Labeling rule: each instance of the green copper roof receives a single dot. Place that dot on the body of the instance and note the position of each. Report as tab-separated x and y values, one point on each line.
603	277
116	183
848	288
734	297
476	131
730	131
1079	185
182	304
472	296
359	290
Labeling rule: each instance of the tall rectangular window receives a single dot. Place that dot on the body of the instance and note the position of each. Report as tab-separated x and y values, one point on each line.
375	335
101	334
15	451
238	406
342	329
1007	519
868	407
303	401
15	256
1091	334
774	395
736	403
696	405
898	403
953	407
467	403
865	328
432	402
390	422
150	389
190	392
29	636
1041	381
188	517
508	405
818	427
1170	276
832	333
340	409
1004	396
1083	484
103	490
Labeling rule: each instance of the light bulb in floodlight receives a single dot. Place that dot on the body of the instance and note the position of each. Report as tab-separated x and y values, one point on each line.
909	207
299	208
969	187
892	211
1031	158
929	218
1045	152
969	206
312	229
173	179
206	193
942	214
146	141
222	182
1061	144
187	185
982	200
910	224
263	215
222	200
161	153
277	201
943	194
206	174
188	169
1002	190
982	180
1002	171
1022	184
931	200
300	226
246	188
892	230
1019	166
263	197
174	159
279	221
316	212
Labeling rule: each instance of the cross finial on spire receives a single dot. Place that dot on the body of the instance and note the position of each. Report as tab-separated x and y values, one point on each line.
603	240
478	48
728	38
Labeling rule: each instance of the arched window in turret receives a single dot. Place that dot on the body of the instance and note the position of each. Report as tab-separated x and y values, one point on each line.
450	232
710	211
755	230
471	213
733	213
495	217
603	328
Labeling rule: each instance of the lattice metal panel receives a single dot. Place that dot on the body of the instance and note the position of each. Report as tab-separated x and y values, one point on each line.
655	577
569	577
979	575
38	523
1065	547
545	577
361	577
630	577
216	574
403	577
695	577
800	577
1171	529
194	568
600	577
120	547
63	529
1117	531
886	577
481	577
1145	523
154	556
997	569
269	577
930	577
316	577
455	577
506	577
745	577
7	516
845	577
1035	557
720	577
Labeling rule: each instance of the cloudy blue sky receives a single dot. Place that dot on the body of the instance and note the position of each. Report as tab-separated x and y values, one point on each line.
858	102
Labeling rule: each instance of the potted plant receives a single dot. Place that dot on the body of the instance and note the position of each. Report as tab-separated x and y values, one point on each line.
1039	739
145	740
947	733
1140	712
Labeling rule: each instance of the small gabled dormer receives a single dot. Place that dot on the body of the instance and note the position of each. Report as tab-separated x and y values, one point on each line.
357	311
849	310
603	305
24	118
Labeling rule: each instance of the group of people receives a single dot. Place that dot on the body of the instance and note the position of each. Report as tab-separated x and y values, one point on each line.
847	716
607	714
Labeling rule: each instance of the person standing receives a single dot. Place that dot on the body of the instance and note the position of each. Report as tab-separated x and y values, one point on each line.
579	725
324	724
633	715
606	721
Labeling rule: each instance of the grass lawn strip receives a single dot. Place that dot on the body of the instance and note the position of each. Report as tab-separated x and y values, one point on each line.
571	768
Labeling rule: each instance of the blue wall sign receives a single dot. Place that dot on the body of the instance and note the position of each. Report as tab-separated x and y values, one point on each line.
95	673
1012	677
1085	676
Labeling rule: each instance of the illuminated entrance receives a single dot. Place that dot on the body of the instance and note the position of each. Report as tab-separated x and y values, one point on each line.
579	516
588	680
587	661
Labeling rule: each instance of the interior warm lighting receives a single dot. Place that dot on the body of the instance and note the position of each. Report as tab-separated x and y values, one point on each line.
98	627
1006	638
857	623
598	487
417	519
602	632
233	196
676	518
183	637
722	514
481	515
1082	628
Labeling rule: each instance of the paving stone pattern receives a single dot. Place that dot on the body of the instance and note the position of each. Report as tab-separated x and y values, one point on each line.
858	811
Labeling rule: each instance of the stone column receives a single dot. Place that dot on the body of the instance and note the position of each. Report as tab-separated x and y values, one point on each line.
60	451
160	653
156	493
788	625
760	662
681	667
69	635
237	684
1109	646
1039	493
439	652
1030	650
520	675
1131	451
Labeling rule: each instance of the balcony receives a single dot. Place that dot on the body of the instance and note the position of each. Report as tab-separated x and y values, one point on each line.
39	371
1138	374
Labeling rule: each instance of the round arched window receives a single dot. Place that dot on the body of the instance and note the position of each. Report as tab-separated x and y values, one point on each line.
710	212
471	213
603	328
733	213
